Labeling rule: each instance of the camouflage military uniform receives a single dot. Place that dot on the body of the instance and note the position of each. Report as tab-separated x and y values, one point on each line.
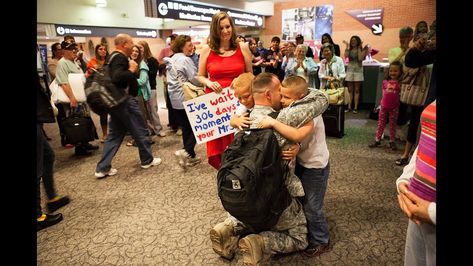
296	115
288	235
290	232
301	112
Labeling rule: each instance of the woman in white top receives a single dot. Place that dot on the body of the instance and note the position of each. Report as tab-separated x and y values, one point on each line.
331	67
356	53
302	66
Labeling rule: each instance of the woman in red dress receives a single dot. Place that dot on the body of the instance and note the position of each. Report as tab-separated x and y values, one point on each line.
222	60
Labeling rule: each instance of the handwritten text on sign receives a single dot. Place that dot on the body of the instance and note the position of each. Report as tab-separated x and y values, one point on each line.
209	114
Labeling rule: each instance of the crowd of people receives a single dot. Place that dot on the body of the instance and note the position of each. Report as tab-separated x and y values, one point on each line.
284	80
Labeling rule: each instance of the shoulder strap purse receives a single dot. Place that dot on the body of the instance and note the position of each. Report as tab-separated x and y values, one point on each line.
190	90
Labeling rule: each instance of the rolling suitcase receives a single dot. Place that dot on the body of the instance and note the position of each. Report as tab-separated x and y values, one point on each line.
334	120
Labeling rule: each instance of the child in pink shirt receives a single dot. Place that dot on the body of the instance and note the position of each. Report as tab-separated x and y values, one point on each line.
389	105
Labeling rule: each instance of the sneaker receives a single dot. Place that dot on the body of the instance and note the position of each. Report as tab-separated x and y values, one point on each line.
355	111
185	159
375	144
47	221
179	132
193	161
156	161
112	171
347	110
57	202
183	156
178	152
224	241
316	250
180	157
251	248
392	145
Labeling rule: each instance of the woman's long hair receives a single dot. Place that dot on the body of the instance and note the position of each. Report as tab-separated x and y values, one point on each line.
97	56
146	51
214	38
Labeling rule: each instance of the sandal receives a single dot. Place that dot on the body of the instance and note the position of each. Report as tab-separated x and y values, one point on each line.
401	161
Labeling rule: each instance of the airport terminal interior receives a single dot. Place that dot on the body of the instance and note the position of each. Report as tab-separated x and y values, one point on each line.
164	214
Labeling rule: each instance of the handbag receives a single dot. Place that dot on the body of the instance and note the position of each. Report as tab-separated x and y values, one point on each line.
78	127
190	90
415	91
76	82
336	93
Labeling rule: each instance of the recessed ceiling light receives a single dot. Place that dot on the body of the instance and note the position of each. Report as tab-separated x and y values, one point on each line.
101	3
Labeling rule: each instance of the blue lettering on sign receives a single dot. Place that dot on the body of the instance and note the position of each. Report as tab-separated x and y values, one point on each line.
203	116
210	124
222	129
196	107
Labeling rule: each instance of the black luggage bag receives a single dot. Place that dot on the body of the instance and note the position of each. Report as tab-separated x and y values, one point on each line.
334	121
78	129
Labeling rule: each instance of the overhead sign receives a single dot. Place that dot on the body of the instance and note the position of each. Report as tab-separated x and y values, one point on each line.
90	31
209	114
377	29
369	17
197	12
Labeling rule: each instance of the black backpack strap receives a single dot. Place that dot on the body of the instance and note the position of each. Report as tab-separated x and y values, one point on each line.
107	62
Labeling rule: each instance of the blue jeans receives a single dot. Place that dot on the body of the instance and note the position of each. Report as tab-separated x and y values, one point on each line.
314	182
44	168
125	118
